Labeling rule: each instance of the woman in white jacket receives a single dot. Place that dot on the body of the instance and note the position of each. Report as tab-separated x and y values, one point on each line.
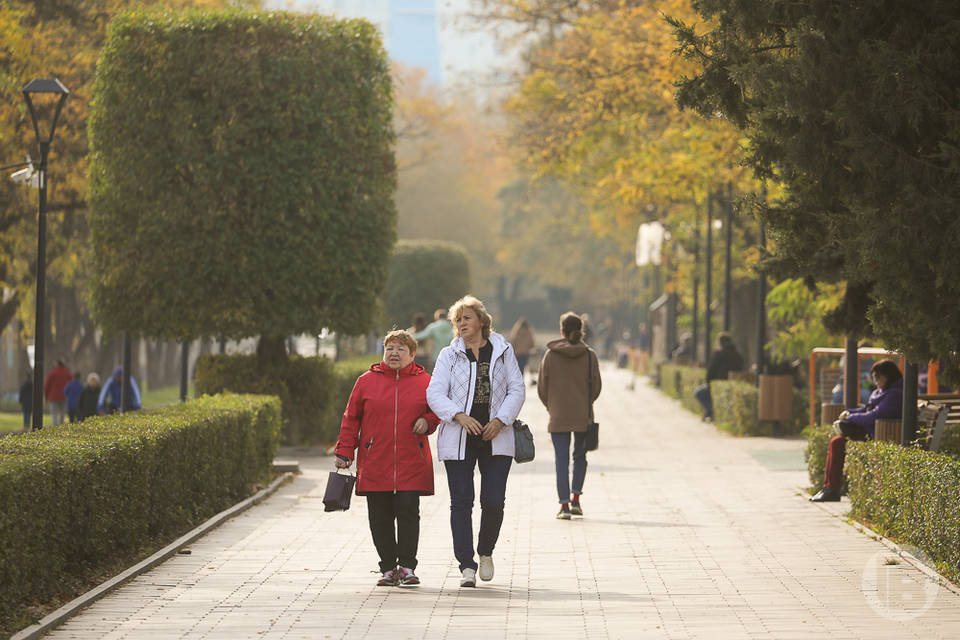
477	391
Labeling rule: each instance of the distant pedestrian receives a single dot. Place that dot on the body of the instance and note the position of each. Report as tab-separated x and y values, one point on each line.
109	400
57	379
569	383
424	356
477	391
521	337
26	400
722	361
385	426
440	332
87	403
72	393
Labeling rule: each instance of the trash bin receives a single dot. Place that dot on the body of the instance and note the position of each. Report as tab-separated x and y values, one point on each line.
775	401
830	412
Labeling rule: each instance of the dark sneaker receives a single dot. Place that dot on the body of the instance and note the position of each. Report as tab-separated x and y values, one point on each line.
564	513
575	509
406	577
389	579
826	495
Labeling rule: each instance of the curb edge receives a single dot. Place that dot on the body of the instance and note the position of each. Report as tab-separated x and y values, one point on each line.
57	617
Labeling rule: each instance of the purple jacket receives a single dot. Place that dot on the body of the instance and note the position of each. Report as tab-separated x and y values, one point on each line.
883	404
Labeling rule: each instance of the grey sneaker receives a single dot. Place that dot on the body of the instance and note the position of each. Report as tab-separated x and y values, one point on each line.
389	579
486	568
406	577
575	509
564	513
468	578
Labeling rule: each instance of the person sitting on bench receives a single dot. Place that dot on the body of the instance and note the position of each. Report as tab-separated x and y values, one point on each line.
886	402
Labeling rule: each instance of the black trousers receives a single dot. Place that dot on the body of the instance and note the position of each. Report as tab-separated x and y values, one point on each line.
396	543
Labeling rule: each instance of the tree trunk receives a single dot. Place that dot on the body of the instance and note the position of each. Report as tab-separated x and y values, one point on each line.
271	351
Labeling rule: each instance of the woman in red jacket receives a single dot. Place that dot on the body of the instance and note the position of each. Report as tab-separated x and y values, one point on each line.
387	421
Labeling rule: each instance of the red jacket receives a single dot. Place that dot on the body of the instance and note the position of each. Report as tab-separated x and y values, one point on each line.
379	419
56	380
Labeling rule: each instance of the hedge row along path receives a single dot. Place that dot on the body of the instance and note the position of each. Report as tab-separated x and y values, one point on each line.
689	533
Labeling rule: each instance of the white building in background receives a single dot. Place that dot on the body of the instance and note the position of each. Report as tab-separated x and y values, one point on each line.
436	35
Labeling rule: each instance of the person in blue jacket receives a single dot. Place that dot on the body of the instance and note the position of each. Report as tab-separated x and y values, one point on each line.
109	401
72	392
859	423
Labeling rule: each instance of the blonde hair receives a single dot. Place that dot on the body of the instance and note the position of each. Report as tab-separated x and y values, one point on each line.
474	304
93	380
403	337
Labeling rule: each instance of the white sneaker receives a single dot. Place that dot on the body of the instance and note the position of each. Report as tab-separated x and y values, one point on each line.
468	578
486	568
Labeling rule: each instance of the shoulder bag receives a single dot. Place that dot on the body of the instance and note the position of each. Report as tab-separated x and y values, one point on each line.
523	441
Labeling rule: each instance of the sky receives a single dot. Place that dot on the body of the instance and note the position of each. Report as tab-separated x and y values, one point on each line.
436	35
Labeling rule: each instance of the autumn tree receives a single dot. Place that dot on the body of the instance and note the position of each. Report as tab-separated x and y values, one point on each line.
242	175
451	162
595	111
854	107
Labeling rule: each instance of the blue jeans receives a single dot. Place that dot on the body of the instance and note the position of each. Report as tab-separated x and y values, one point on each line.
493	489
561	452
702	394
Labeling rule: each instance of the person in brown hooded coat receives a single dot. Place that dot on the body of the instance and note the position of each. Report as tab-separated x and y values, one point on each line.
568	384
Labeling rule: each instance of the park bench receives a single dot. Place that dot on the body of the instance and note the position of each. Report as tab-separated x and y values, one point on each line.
934	413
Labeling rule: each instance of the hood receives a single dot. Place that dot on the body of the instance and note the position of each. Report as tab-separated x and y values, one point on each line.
412	369
564	348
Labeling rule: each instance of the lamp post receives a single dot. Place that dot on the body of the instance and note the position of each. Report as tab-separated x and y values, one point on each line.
53	87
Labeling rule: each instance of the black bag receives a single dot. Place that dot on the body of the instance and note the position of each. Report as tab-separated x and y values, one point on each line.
336	497
592	441
523	441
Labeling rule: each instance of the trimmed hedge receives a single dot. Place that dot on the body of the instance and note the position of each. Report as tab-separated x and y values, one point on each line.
313	390
734	402
303	384
815	455
909	495
270	173
424	275
75	498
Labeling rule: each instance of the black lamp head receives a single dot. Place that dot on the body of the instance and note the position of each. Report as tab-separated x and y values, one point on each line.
45	86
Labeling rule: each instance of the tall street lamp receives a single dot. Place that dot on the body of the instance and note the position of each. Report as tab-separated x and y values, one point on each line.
57	97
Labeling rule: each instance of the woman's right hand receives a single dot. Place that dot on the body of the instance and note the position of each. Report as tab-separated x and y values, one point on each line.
342	463
469	424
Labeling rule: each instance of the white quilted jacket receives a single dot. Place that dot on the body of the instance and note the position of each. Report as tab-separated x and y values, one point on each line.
451	391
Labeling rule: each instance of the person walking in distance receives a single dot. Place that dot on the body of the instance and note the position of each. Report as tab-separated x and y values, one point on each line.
522	340
53	386
439	332
477	391
385	426
568	385
72	393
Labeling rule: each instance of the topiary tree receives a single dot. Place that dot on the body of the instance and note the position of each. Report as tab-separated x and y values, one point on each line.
242	176
424	275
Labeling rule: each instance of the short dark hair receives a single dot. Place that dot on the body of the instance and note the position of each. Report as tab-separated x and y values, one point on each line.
724	338
888	369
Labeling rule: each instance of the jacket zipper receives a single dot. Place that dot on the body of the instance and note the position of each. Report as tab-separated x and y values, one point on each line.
463	432
396	409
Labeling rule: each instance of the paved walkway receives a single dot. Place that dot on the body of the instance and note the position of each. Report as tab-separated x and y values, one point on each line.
689	533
